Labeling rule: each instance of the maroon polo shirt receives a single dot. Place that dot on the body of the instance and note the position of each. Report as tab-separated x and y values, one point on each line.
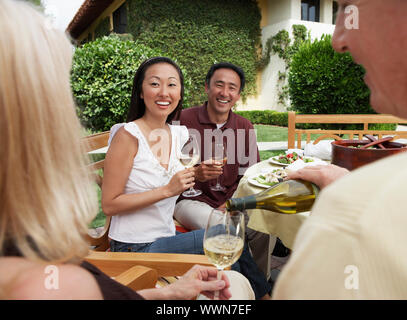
239	134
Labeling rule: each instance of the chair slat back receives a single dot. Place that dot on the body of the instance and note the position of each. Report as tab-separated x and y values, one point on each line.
92	143
295	134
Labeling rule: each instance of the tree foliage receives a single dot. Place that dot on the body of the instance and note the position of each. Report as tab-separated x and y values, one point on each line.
322	81
102	79
200	33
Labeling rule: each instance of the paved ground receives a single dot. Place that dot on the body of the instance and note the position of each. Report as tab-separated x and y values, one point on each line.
278	145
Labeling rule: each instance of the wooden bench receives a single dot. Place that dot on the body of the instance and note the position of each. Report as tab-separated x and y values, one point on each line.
295	134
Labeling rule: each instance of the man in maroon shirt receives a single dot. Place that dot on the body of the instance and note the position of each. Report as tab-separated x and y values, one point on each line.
214	121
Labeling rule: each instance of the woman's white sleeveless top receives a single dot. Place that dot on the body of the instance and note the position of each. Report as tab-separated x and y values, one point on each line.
155	221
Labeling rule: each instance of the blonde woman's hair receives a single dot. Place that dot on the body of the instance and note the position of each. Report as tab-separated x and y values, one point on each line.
46	195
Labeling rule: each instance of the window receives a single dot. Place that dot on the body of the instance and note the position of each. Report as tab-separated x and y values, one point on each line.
334	11
310	10
120	19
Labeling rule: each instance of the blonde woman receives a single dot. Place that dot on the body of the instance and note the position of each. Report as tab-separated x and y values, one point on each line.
46	196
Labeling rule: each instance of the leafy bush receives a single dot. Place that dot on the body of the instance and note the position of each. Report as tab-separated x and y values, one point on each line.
270	117
200	33
102	79
322	81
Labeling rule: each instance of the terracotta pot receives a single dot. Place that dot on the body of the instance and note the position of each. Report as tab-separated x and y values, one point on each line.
352	158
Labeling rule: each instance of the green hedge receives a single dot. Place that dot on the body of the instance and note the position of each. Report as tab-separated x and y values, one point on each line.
322	81
102	79
269	117
200	33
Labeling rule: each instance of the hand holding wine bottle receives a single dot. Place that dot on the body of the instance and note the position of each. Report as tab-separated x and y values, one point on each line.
322	176
287	197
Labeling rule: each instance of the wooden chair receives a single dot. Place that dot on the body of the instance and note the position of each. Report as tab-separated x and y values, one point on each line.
92	143
135	270
145	270
364	119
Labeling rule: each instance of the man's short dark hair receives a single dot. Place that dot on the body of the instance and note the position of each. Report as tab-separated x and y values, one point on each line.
226	65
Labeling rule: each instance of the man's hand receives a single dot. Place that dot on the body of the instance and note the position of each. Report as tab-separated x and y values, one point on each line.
320	175
222	206
208	170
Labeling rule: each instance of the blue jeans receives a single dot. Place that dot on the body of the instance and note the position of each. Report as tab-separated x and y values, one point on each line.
192	243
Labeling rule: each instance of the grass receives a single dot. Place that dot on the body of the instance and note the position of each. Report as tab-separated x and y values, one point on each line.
99	220
264	155
267	133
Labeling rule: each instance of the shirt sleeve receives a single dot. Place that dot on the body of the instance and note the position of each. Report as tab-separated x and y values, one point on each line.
113	131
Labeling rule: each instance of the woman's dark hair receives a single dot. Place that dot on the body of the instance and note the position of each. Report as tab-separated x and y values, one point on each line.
137	106
226	65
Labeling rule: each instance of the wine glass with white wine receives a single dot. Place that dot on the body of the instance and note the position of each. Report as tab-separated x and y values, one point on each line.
219	156
188	156
224	239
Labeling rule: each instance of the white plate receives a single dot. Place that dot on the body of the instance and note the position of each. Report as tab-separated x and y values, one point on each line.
274	161
254	182
299	164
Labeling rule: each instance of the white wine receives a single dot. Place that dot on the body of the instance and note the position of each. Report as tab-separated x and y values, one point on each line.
220	162
223	250
189	161
288	197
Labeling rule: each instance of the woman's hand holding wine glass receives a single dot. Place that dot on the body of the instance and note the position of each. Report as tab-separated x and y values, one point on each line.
224	238
180	181
188	156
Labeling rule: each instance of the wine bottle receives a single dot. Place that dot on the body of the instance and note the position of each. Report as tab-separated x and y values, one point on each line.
288	197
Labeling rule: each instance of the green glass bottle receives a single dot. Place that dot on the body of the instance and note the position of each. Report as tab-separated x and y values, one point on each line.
287	197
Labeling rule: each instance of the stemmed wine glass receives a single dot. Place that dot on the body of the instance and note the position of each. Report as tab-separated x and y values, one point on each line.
189	155
219	155
224	239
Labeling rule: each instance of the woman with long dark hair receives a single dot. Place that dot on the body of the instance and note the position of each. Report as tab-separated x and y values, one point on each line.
143	176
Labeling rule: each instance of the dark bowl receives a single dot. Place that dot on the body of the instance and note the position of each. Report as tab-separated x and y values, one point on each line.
352	158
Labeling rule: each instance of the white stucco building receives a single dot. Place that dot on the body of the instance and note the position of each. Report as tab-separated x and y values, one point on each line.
317	15
276	15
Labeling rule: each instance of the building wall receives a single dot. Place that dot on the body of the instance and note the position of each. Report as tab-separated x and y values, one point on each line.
279	10
96	26
283	14
276	15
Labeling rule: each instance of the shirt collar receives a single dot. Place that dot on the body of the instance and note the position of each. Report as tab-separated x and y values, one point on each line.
204	117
